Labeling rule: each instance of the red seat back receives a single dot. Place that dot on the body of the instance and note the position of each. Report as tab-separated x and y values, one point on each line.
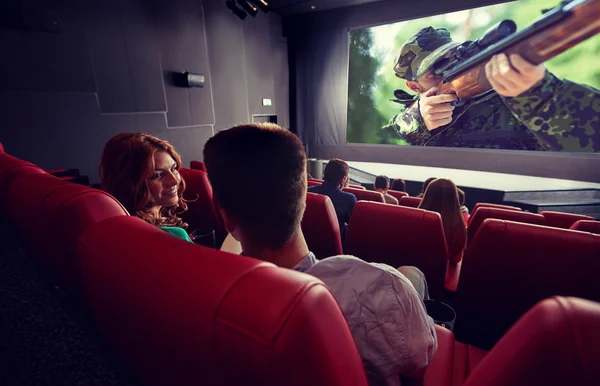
11	168
182	314
357	187
313	183
1	148
201	211
365	195
397	195
320	226
555	343
510	266
587	226
563	220
483	213
412	202
498	206
51	214
197	165
398	236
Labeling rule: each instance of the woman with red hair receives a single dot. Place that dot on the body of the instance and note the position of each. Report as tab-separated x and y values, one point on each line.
141	171
441	196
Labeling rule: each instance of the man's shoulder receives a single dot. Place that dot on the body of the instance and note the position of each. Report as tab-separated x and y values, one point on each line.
349	196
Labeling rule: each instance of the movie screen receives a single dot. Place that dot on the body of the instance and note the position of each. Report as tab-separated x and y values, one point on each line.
442	81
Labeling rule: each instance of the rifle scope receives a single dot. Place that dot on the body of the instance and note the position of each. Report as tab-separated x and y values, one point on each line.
496	33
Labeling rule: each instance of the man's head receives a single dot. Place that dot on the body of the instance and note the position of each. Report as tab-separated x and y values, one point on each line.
336	172
258	175
418	55
382	183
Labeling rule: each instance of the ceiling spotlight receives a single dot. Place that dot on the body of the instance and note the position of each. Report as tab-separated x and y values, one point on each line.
262	4
313	7
235	9
248	7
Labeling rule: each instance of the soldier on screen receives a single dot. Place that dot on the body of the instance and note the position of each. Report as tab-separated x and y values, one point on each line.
531	109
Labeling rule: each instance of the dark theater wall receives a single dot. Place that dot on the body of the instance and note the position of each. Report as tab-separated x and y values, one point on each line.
319	52
62	95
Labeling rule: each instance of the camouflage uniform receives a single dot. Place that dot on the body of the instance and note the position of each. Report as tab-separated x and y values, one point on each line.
553	115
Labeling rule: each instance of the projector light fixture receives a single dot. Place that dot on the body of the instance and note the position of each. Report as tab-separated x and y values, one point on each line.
262	4
235	9
249	7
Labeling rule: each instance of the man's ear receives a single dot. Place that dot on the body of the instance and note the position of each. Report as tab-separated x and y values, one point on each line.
414	86
230	223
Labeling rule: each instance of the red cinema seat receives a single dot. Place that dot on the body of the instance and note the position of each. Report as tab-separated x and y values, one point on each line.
182	314
64	172
398	236
555	343
397	195
197	165
313	183
412	202
357	187
483	213
58	213
510	266
1	148
201	211
587	226
10	169
563	220
498	206
365	195
320	226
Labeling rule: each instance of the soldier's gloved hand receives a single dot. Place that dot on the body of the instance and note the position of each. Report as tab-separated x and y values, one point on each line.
512	76
436	110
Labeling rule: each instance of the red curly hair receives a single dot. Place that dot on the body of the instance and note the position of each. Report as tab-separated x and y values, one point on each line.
127	161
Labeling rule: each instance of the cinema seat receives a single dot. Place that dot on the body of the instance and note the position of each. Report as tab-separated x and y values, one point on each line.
510	266
397	195
587	226
563	220
483	213
357	187
555	343
201	211
64	172
498	206
412	202
51	214
320	226
313	183
365	195
10	169
81	180
398	236
1	148
182	314
197	165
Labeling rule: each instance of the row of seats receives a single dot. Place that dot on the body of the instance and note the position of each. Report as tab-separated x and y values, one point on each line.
153	295
217	311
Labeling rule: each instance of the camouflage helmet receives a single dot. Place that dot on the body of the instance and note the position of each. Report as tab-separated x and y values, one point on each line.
421	51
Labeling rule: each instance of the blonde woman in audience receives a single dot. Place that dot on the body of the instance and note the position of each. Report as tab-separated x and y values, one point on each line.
142	172
442	196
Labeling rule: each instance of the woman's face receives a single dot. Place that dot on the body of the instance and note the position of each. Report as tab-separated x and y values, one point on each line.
164	181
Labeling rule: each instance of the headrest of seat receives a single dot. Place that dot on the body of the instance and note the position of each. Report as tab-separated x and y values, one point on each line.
484	212
563	220
586	226
183	314
413	202
366	195
557	342
197	165
321	227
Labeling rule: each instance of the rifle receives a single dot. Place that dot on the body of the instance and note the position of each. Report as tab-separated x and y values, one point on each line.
559	29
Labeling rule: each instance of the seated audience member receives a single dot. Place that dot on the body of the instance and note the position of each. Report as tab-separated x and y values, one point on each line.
425	184
399	185
441	196
141	171
382	184
463	209
335	179
376	299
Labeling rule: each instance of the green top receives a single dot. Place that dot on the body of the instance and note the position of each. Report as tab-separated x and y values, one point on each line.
177	232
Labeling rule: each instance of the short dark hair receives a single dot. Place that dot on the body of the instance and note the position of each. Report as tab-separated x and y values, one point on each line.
382	182
399	185
258	175
335	170
426	184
